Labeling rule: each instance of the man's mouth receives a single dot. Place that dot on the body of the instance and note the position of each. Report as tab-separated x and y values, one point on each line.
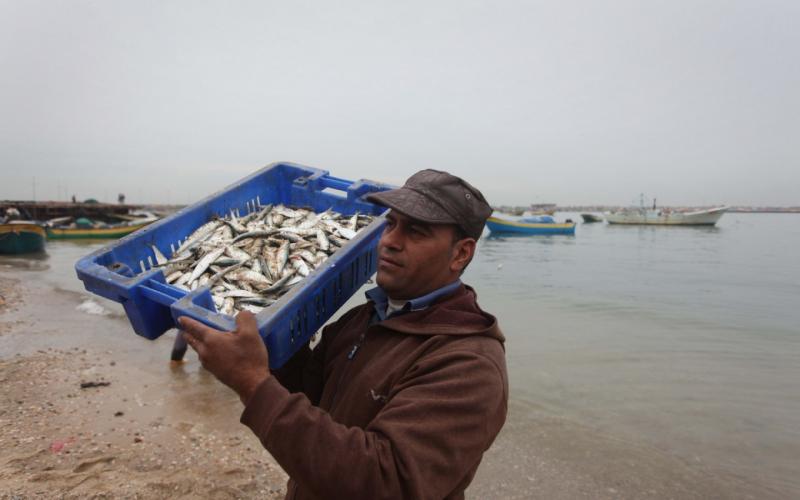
388	262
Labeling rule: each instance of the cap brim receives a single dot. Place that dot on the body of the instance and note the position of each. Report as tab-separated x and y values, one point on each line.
412	204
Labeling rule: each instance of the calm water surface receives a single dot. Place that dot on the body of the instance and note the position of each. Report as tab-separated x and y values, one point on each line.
683	339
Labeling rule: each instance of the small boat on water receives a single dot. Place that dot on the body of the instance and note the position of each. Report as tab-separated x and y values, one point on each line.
653	216
84	228
530	225
20	237
589	218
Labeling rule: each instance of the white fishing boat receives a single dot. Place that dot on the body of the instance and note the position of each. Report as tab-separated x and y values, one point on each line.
666	217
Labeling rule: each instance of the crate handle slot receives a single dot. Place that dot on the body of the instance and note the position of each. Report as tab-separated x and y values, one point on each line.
161	293
329	181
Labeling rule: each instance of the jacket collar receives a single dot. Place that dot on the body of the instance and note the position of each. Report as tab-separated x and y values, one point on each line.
381	300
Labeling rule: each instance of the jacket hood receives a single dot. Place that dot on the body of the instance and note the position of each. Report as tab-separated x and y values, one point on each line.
455	314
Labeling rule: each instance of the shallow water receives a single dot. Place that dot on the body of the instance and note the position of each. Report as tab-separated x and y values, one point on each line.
682	339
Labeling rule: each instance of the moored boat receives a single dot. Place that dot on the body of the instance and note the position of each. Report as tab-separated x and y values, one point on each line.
707	217
499	225
588	218
20	237
109	232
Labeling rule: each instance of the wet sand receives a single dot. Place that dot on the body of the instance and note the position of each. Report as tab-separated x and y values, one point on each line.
147	429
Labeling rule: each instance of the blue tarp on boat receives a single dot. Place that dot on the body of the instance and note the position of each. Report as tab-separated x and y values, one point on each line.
538	219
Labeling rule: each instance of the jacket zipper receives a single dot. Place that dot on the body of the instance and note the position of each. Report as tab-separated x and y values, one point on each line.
356	346
350	355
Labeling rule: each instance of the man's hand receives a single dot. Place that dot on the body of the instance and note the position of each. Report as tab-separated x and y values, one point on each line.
239	359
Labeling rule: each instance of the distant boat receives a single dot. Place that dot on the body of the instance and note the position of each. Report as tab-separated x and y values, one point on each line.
653	216
541	209
498	225
20	237
588	218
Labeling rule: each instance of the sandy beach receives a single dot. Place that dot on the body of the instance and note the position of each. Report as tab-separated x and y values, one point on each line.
90	410
79	422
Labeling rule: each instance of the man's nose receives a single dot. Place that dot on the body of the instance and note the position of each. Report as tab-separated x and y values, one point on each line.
391	239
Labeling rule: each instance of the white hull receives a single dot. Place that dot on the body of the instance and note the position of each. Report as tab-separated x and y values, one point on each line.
659	217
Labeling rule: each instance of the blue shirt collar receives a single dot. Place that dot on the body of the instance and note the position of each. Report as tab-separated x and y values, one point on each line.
381	300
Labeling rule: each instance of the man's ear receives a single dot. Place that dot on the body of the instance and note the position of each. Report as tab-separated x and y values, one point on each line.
463	250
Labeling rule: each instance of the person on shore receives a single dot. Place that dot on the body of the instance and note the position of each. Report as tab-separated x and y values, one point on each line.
12	214
403	394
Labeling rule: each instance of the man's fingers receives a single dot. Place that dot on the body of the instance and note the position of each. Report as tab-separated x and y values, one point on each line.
246	321
195	331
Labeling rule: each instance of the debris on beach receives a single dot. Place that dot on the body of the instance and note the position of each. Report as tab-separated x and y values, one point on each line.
90	306
58	445
89	385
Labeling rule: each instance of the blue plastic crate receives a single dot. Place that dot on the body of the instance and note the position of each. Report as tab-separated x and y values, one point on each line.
123	271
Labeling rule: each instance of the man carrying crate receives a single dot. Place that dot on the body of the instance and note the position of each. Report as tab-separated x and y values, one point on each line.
404	393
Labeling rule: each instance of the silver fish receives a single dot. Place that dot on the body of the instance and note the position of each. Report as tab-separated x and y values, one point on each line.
322	240
253	309
160	258
197	236
255	234
278	285
228	305
281	257
239	294
299	264
174	276
205	262
248	276
236	253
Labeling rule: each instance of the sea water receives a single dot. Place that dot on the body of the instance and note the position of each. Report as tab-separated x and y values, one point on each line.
685	339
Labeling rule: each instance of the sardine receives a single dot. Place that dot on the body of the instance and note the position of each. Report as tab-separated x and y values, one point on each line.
227	306
281	256
253	309
322	240
160	258
256	301
299	264
205	262
236	253
197	236
174	276
255	234
222	272
248	276
239	294
278	285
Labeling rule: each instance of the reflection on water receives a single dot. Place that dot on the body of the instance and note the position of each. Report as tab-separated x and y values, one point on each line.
30	262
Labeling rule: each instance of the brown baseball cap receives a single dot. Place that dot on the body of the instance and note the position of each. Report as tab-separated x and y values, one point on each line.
438	197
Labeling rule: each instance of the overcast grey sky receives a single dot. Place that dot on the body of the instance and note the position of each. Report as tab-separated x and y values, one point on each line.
695	102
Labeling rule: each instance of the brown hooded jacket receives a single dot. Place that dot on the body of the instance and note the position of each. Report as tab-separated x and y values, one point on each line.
401	408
